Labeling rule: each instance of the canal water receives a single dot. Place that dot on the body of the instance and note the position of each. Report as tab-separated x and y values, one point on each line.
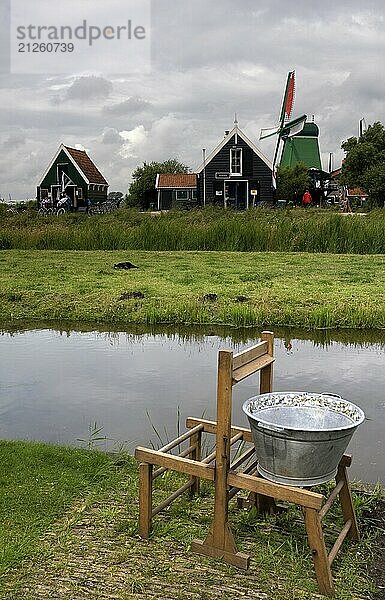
74	386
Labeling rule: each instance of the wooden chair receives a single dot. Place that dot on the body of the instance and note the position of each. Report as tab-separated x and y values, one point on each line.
231	477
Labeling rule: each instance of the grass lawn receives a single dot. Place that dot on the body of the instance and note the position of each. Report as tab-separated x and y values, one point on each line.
68	522
233	288
38	482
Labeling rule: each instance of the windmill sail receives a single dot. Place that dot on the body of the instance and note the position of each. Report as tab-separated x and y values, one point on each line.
265	133
293	127
287	128
288	98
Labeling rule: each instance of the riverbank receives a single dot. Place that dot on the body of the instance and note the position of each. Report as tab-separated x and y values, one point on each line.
77	542
240	289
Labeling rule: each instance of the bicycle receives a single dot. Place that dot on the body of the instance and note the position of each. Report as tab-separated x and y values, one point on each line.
46	208
63	206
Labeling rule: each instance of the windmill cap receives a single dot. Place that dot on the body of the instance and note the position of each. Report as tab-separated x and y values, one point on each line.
309	130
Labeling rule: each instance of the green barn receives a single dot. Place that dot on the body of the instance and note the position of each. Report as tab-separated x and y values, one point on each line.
72	172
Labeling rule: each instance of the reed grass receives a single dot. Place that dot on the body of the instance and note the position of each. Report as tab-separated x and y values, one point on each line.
211	229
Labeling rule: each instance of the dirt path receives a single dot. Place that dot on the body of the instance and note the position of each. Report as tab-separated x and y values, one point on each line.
94	553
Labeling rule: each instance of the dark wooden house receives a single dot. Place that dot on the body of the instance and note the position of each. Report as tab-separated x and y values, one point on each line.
72	172
176	190
235	174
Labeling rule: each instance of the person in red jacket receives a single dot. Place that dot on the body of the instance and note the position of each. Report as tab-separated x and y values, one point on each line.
306	198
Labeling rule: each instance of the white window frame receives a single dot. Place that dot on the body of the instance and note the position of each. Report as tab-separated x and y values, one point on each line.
178	197
232	151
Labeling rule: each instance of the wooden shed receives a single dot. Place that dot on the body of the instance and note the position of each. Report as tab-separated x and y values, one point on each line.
71	171
176	190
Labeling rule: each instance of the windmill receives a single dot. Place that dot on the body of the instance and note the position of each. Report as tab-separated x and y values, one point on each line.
286	127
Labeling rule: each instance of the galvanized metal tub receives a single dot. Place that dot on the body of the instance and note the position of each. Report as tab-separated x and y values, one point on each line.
300	437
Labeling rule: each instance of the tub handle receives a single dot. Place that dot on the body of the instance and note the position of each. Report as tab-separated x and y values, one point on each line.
331	394
270	427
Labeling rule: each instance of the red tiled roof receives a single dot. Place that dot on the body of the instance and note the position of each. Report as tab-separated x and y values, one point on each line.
86	165
357	192
177	180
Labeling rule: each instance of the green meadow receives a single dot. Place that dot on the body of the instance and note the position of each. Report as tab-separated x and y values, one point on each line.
186	287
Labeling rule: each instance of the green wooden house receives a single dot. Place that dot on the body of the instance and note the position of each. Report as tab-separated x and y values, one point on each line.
72	172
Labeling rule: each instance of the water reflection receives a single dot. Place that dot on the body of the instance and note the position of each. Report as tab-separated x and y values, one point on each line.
56	383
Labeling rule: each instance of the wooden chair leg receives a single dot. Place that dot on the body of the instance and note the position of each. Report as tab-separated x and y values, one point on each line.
220	541
347	503
145	500
318	549
196	440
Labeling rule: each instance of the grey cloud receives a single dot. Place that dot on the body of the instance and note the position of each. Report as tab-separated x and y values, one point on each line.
15	139
111	136
129	106
88	89
209	59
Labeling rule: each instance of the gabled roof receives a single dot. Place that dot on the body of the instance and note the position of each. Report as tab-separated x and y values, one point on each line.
87	166
225	141
81	162
176	180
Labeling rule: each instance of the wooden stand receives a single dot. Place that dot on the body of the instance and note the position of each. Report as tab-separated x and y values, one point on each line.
229	478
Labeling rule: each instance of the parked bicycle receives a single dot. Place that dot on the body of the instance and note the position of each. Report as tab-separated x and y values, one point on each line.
46	207
63	206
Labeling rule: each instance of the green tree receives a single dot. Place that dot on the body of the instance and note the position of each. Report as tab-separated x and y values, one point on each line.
364	164
292	182
141	191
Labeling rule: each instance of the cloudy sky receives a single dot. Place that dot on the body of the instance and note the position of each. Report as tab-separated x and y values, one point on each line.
210	58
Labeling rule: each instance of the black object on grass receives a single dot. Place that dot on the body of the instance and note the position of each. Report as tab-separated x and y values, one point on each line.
125	265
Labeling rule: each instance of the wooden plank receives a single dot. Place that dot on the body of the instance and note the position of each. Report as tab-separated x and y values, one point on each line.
318	549
237	559
346	460
211	427
173	497
266	377
241	459
176	463
334	551
275	490
248	471
222	460
242	358
326	507
211	457
196	440
347	503
181	439
145	499
183	454
252	367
